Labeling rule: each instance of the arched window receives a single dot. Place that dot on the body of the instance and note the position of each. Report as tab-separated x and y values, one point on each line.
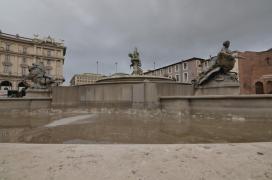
21	85
259	88
268	61
269	87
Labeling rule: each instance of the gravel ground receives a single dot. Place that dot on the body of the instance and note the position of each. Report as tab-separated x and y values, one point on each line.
139	162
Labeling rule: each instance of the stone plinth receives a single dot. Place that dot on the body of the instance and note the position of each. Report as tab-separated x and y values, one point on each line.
222	84
38	93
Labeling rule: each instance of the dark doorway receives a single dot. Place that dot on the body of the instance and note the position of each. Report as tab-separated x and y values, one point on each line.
6	85
21	86
259	88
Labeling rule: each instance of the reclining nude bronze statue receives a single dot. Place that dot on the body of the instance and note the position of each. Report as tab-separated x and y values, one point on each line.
222	64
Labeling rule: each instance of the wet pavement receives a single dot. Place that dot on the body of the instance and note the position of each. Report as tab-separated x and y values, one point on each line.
97	128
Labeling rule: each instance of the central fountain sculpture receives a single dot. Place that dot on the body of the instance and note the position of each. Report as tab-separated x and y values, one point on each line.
137	74
136	62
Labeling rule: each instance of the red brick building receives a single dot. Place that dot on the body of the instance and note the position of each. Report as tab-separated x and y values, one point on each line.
255	72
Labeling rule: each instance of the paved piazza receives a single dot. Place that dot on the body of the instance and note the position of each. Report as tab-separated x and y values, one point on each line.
160	162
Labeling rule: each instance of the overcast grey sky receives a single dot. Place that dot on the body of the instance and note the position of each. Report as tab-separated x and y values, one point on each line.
164	31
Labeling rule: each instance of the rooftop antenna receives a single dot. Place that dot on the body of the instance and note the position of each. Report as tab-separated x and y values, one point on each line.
116	64
96	67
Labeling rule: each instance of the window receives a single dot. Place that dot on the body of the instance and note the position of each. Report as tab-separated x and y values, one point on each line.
58	53
177	67
177	78
24	50
268	61
39	50
259	88
198	63
48	62
24	60
24	71
185	66
170	70
7	58
206	64
7	47
49	53
6	69
48	72
185	77
161	72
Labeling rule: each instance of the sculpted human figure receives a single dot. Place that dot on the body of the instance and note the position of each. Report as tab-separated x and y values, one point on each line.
225	48
136	62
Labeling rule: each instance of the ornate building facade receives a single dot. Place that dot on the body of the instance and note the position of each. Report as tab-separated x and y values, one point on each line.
18	53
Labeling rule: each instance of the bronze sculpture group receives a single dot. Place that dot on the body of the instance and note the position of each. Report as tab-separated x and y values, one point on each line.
37	74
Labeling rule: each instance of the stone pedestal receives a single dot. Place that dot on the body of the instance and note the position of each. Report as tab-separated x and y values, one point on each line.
222	84
38	93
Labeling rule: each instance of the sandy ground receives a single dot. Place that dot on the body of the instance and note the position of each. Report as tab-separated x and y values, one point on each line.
139	162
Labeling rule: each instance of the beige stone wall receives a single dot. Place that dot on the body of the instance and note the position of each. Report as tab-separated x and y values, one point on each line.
23	105
234	108
127	94
17	53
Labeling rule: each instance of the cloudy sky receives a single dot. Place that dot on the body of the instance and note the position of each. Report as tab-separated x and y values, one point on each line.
165	31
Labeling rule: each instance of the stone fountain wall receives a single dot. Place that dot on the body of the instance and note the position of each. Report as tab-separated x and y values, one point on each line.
172	99
121	95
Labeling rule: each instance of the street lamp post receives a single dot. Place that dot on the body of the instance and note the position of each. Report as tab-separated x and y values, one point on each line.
116	64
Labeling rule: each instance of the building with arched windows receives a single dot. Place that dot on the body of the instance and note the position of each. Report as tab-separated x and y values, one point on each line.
255	72
18	53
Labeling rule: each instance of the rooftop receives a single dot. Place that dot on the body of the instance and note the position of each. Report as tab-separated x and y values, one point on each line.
35	39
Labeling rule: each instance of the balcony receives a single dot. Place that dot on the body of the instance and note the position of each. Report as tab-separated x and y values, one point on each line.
7	63
24	65
48	67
